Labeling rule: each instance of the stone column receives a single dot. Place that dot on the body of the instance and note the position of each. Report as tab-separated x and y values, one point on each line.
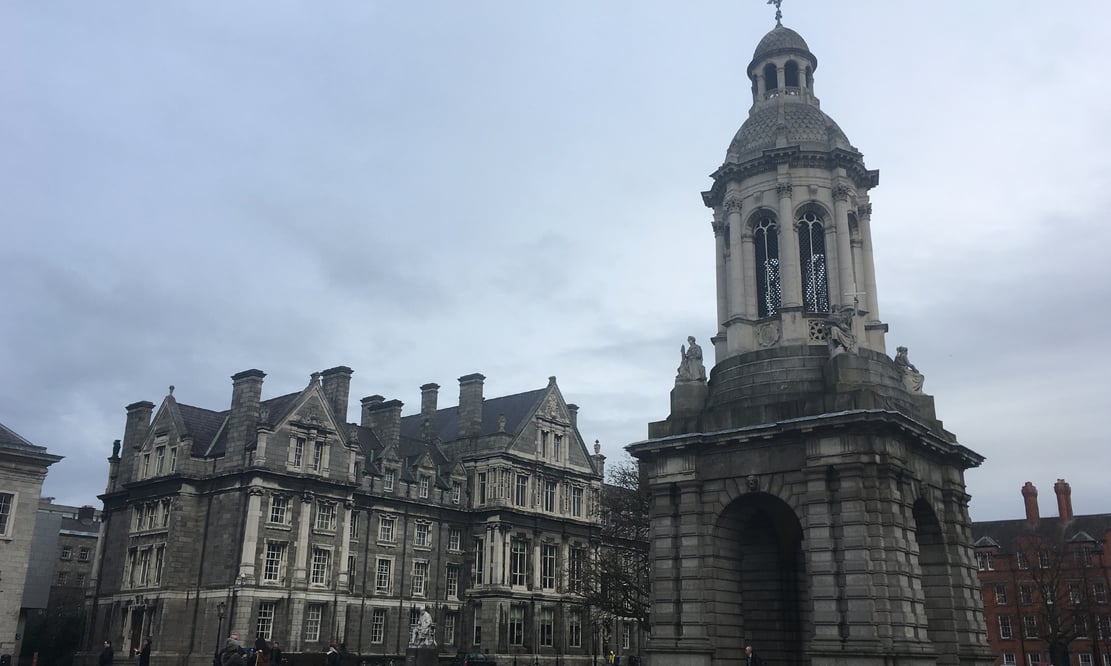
344	528
736	270
536	561
296	624
302	546
249	552
833	258
747	262
564	567
864	218
789	274
720	273
844	249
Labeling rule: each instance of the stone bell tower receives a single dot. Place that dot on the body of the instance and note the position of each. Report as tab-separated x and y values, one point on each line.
806	499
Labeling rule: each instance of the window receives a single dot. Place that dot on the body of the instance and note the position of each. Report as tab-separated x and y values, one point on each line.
1074	593
136	517
83	554
1085	658
557	446
454	539
378	626
477	635
1023	561
547	622
1103	627
769	291
482	488
1043	563
383	575
1082	557
420	579
1034	658
353	527
326	516
449	628
414	619
422	530
518	562
317	455
352	565
159	560
547	566
812	261
1080	623
159	460
453	581
314	613
424	485
984	560
166	513
272	564
67	552
575	570
387	481
544	444
1025	594
146	465
1099	592
456	492
520	496
771	77
7	500
81	579
321	565
62	578
626	637
298	456
1000	595
279	509
479	559
1009	659
575	629
385	528
1005	626
173	460
265	627
1030	625
144	566
132	560
152	516
549	496
516	624
577	501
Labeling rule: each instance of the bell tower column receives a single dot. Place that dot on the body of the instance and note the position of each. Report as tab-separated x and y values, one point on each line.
845	278
789	274
736	259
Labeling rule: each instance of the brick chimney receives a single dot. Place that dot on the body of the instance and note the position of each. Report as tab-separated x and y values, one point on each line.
336	383
134	432
1064	499
1030	499
86	514
246	394
384	419
470	405
428	396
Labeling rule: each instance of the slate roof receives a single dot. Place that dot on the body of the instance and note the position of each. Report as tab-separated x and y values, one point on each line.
802	124
782	40
445	423
10	439
1004	532
75	525
202	424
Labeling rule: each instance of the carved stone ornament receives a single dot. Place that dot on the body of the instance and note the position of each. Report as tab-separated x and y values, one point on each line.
733	205
718	227
767	334
752	483
256	491
424	631
839	329
783	189
691	368
306	498
864	210
841	193
912	379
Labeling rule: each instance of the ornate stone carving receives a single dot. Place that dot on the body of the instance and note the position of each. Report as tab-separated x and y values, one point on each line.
256	491
306	497
116	449
818	330
841	193
767	334
783	189
839	331
732	204
864	210
691	368
718	227
752	483
912	379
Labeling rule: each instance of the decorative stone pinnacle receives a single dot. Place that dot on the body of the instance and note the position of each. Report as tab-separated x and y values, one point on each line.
778	11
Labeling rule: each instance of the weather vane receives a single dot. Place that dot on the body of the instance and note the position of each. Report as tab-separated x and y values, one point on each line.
778	10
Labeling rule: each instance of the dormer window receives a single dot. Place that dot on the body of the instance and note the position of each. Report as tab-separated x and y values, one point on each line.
456	492
146	465
298	455
159	460
388	480
557	446
425	485
318	455
173	460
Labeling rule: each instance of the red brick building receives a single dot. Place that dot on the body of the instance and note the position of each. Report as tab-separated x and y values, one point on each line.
1045	583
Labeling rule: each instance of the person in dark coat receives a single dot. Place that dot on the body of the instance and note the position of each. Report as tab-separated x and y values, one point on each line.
144	653
275	654
751	658
332	657
262	652
232	654
106	655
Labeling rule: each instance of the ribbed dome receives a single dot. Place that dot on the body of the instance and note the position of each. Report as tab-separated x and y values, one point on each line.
802	124
782	40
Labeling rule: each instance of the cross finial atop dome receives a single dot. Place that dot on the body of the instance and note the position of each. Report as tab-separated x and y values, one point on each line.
778	11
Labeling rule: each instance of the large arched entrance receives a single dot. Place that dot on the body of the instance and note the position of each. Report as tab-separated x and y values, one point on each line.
936	583
757	581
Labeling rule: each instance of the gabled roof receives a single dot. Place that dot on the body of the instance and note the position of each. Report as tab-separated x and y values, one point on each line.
445	423
1005	532
203	425
10	439
278	408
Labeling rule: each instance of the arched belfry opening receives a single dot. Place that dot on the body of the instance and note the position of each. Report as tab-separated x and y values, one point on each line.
759	595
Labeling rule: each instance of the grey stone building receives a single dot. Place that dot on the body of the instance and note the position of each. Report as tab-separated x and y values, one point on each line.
278	518
61	556
806	498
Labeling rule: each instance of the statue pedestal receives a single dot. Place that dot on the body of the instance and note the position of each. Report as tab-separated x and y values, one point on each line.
688	398
422	656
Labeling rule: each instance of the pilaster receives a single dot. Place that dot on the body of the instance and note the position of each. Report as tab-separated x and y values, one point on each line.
789	275
249	552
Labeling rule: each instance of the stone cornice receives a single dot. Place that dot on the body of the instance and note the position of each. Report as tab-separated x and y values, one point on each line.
793	156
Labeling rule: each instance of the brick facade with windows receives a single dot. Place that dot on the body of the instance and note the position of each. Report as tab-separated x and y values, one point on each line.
1045	578
309	529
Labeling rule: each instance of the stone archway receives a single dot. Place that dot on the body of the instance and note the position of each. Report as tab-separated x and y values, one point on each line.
757	581
933	563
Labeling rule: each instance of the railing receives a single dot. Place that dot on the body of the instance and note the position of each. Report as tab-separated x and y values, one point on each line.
776	92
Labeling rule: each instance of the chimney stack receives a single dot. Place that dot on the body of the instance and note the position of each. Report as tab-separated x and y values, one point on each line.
336	383
385	420
1064	499
86	514
246	394
574	411
134	432
470	405
428	395
1030	498
369	403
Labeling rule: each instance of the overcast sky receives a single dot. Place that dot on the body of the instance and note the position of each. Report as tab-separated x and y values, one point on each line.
423	190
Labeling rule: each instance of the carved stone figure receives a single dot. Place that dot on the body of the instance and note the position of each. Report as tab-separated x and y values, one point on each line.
116	449
691	368
424	632
912	379
839	331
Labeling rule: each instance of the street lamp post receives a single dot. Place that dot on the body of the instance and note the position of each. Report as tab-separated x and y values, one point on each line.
220	608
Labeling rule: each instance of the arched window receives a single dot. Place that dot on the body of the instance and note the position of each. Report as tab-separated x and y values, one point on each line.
769	292
791	74
812	257
771	77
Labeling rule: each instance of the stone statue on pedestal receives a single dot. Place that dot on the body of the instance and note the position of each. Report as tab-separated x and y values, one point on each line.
912	379
424	632
839	331
691	368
